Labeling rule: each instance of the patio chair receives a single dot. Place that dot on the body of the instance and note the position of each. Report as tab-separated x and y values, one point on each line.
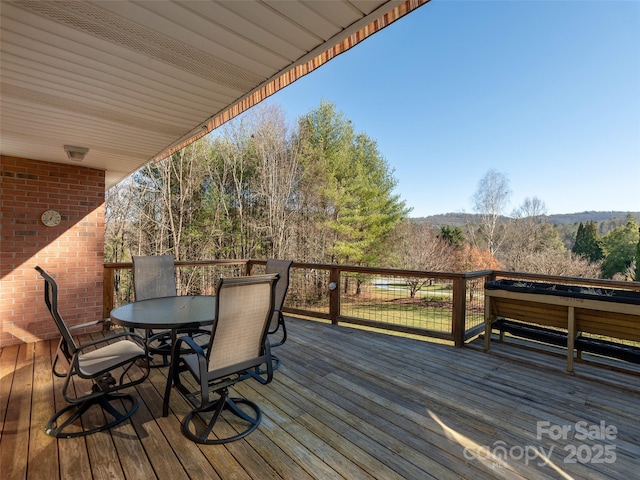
282	268
238	345
96	361
154	276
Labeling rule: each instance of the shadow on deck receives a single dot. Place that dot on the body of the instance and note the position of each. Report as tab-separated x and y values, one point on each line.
349	403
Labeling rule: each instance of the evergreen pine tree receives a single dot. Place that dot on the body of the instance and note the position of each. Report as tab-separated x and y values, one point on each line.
621	247
637	276
588	243
578	245
453	235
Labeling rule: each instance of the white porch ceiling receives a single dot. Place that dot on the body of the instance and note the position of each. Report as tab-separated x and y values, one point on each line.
131	79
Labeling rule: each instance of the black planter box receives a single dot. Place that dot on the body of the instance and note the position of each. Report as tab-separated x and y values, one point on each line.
571	291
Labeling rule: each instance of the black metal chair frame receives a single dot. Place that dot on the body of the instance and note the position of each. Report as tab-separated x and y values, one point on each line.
158	342
282	268
76	358
216	383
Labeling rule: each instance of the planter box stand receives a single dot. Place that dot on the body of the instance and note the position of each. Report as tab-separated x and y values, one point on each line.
571	315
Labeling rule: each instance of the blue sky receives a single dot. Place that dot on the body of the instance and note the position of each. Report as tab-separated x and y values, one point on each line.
546	92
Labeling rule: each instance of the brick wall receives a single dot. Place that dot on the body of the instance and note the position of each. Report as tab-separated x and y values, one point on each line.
71	252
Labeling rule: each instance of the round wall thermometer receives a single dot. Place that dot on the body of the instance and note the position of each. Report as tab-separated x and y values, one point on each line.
51	218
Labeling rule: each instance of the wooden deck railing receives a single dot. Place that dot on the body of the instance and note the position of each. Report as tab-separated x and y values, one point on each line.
447	306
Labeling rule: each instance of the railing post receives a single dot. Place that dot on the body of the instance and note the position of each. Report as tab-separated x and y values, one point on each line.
248	268
108	294
459	310
334	295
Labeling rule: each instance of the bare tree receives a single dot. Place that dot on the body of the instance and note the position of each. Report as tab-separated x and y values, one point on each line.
278	164
529	233
119	203
534	246
231	168
560	263
218	173
490	200
532	209
418	247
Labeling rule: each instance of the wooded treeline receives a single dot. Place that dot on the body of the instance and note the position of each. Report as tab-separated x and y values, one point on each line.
321	192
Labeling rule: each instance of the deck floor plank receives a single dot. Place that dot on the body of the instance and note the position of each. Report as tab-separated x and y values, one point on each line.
346	403
43	454
278	459
302	456
189	455
15	436
389	394
323	448
362	458
8	358
408	437
162	456
73	455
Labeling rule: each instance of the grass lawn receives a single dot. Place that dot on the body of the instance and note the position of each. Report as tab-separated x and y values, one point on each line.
410	315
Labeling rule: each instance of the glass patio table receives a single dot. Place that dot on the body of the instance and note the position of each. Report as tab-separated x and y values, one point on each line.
179	313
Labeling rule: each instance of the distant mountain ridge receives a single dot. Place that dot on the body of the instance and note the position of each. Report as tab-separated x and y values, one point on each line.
460	219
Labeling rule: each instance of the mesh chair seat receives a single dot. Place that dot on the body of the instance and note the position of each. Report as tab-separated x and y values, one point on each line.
113	355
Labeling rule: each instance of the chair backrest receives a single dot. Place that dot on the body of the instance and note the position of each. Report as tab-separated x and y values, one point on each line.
282	268
69	347
154	276
243	310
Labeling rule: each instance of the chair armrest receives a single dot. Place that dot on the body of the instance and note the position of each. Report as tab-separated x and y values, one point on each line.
192	344
87	324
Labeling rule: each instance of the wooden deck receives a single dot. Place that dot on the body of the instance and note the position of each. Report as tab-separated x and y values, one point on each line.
351	404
